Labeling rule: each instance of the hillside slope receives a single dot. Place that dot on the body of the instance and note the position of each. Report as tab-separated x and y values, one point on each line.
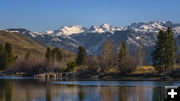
22	44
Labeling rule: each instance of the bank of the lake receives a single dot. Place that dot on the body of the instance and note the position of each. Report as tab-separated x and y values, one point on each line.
102	77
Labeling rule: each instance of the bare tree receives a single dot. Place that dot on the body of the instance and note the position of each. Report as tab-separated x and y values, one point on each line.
107	56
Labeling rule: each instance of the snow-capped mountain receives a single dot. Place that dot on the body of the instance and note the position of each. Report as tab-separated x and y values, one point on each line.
69	30
149	26
135	35
104	28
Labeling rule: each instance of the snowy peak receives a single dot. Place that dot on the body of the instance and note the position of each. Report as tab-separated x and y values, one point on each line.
104	28
68	30
23	31
153	26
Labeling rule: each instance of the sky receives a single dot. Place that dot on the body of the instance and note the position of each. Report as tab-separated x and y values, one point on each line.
42	15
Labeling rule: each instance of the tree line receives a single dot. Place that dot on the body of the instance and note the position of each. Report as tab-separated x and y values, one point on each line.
107	61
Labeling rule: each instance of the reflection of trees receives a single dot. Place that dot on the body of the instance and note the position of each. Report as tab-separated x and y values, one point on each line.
108	93
139	93
122	95
48	93
6	88
28	93
81	94
159	94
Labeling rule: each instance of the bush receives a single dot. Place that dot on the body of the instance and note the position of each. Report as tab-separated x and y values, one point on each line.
71	66
93	65
127	66
145	69
34	66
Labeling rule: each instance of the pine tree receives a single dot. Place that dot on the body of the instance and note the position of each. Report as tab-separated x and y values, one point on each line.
165	51
170	49
59	55
48	53
81	58
27	55
157	54
123	53
6	56
1	57
56	54
178	59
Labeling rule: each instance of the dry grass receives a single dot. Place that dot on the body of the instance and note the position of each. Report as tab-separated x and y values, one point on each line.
22	44
144	69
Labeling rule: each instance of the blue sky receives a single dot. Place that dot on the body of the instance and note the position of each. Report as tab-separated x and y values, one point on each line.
42	15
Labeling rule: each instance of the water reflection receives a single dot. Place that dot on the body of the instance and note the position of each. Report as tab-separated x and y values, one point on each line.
6	89
36	90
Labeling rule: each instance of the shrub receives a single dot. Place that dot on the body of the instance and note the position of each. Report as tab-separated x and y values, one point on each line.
71	66
145	69
34	66
127	66
93	64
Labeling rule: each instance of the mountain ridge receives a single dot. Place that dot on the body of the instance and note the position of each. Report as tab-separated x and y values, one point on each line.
136	35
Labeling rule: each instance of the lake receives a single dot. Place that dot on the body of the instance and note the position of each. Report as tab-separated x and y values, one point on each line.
29	89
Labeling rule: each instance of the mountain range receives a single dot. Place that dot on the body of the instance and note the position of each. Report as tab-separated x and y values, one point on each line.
135	35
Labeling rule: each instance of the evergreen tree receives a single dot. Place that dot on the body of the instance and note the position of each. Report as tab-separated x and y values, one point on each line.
49	53
1	57
9	57
178	59
56	54
6	56
59	55
165	51
157	54
123	53
170	49
27	55
81	58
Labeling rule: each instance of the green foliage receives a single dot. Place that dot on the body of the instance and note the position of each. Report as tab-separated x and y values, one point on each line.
54	54
1	57
27	55
178	59
9	57
48	53
81	58
71	66
6	56
123	53
165	51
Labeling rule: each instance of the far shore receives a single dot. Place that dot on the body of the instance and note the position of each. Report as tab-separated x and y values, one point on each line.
111	77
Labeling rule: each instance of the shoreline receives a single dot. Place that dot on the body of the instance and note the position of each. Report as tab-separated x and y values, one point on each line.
61	77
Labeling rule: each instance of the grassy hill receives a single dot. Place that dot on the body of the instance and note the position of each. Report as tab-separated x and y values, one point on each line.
22	44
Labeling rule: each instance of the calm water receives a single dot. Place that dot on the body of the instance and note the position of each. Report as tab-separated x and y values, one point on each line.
27	89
